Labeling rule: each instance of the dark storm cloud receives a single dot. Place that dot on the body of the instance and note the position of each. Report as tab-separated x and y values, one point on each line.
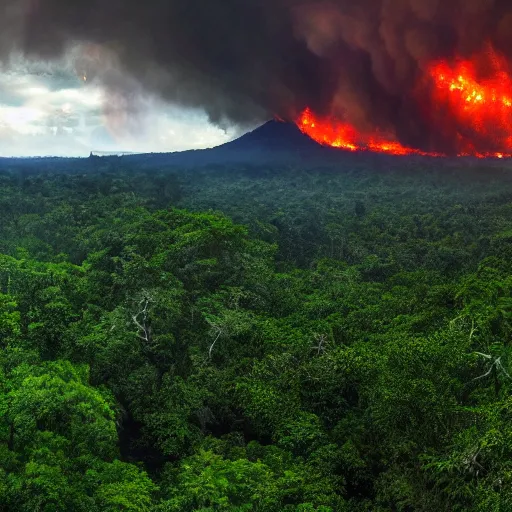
240	60
48	74
246	60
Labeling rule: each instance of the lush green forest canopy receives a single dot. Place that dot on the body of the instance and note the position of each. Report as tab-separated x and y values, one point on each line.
244	338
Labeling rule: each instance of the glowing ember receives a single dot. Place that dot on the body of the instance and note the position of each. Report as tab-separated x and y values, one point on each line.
480	110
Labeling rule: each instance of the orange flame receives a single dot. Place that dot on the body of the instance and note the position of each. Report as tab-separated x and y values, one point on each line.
339	134
482	107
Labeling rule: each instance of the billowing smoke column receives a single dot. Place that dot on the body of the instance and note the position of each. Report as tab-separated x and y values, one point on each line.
393	71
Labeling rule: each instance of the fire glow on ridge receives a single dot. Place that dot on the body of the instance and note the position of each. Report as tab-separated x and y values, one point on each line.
340	134
480	108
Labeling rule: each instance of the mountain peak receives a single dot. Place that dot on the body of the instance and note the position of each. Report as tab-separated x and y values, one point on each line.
273	135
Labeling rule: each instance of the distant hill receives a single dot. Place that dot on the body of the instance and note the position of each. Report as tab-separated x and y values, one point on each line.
274	141
272	136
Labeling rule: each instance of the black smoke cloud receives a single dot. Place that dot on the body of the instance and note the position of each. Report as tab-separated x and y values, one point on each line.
243	61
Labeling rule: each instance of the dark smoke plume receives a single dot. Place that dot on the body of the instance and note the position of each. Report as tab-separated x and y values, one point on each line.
246	60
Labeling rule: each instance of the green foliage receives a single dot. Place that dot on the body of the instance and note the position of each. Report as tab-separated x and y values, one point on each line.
255	339
58	444
270	482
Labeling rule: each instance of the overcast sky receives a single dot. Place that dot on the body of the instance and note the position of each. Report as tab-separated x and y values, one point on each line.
49	109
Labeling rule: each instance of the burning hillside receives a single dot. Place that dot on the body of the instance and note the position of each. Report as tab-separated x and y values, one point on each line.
469	101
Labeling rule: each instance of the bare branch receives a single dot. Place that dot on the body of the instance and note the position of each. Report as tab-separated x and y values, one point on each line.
472	329
213	344
487	356
502	368
144	329
322	341
485	374
495	364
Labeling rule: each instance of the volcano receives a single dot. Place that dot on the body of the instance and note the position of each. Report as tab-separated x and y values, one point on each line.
273	142
273	136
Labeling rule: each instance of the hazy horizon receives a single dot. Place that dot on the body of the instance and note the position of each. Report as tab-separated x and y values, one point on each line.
47	109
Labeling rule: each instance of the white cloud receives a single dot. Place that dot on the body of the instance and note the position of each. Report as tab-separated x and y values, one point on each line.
20	119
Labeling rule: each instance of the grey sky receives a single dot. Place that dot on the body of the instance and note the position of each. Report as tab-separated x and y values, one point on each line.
53	109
